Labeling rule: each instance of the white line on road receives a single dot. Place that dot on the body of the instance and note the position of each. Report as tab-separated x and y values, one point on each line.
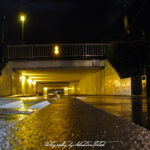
39	105
17	104
80	97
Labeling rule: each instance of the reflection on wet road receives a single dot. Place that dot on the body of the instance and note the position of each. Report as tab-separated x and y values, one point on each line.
69	120
13	110
136	109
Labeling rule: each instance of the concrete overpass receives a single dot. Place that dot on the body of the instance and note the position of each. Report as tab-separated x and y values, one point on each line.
76	69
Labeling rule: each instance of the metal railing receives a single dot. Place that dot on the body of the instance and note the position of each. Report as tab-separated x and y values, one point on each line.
47	51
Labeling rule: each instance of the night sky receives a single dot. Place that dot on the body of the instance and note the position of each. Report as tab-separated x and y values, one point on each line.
65	21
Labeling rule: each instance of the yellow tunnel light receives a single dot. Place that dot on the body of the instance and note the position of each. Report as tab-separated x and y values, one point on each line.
34	82
29	81
22	78
66	88
45	89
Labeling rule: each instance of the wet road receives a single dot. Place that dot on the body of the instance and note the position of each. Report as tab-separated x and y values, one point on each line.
134	109
12	110
70	121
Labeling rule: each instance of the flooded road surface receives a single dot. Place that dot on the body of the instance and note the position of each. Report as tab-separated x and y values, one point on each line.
12	110
135	109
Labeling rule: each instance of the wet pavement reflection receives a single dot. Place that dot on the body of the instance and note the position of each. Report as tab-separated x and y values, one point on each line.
69	120
14	109
135	109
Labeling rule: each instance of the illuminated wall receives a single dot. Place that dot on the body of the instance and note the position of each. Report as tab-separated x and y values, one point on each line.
16	83
5	81
103	82
22	84
72	88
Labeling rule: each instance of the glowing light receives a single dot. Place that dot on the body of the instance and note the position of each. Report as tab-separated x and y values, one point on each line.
56	51
22	18
21	117
22	106
117	83
23	79
27	98
30	110
66	88
45	89
126	24
29	81
34	82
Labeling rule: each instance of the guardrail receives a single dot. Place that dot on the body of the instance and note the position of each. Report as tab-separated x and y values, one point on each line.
47	51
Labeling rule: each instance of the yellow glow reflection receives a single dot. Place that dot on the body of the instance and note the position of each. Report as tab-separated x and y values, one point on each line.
144	105
27	98
22	79
117	83
22	107
33	74
66	88
29	81
34	82
21	117
126	23
30	110
45	89
36	77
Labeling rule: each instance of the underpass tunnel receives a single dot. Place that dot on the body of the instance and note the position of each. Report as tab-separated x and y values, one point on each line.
44	81
47	89
70	81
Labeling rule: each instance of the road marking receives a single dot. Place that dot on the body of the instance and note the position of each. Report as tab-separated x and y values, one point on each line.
39	105
80	97
55	98
17	104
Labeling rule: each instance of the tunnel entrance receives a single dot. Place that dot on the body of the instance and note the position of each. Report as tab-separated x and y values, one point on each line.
44	82
74	77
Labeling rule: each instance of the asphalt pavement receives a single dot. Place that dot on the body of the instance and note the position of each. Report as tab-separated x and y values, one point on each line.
14	109
69	123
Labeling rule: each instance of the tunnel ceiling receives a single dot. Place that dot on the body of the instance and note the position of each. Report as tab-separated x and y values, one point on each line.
57	74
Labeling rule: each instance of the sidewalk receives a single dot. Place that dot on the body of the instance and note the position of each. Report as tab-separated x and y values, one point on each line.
69	119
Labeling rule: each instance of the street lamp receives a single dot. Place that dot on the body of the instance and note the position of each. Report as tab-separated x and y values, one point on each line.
22	18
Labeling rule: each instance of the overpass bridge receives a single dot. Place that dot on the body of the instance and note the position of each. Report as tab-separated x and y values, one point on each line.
46	51
74	68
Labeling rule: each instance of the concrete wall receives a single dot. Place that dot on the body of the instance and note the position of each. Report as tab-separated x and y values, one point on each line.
11	84
22	85
104	82
5	81
16	83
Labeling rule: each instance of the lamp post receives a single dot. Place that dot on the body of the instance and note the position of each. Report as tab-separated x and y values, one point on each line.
22	20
